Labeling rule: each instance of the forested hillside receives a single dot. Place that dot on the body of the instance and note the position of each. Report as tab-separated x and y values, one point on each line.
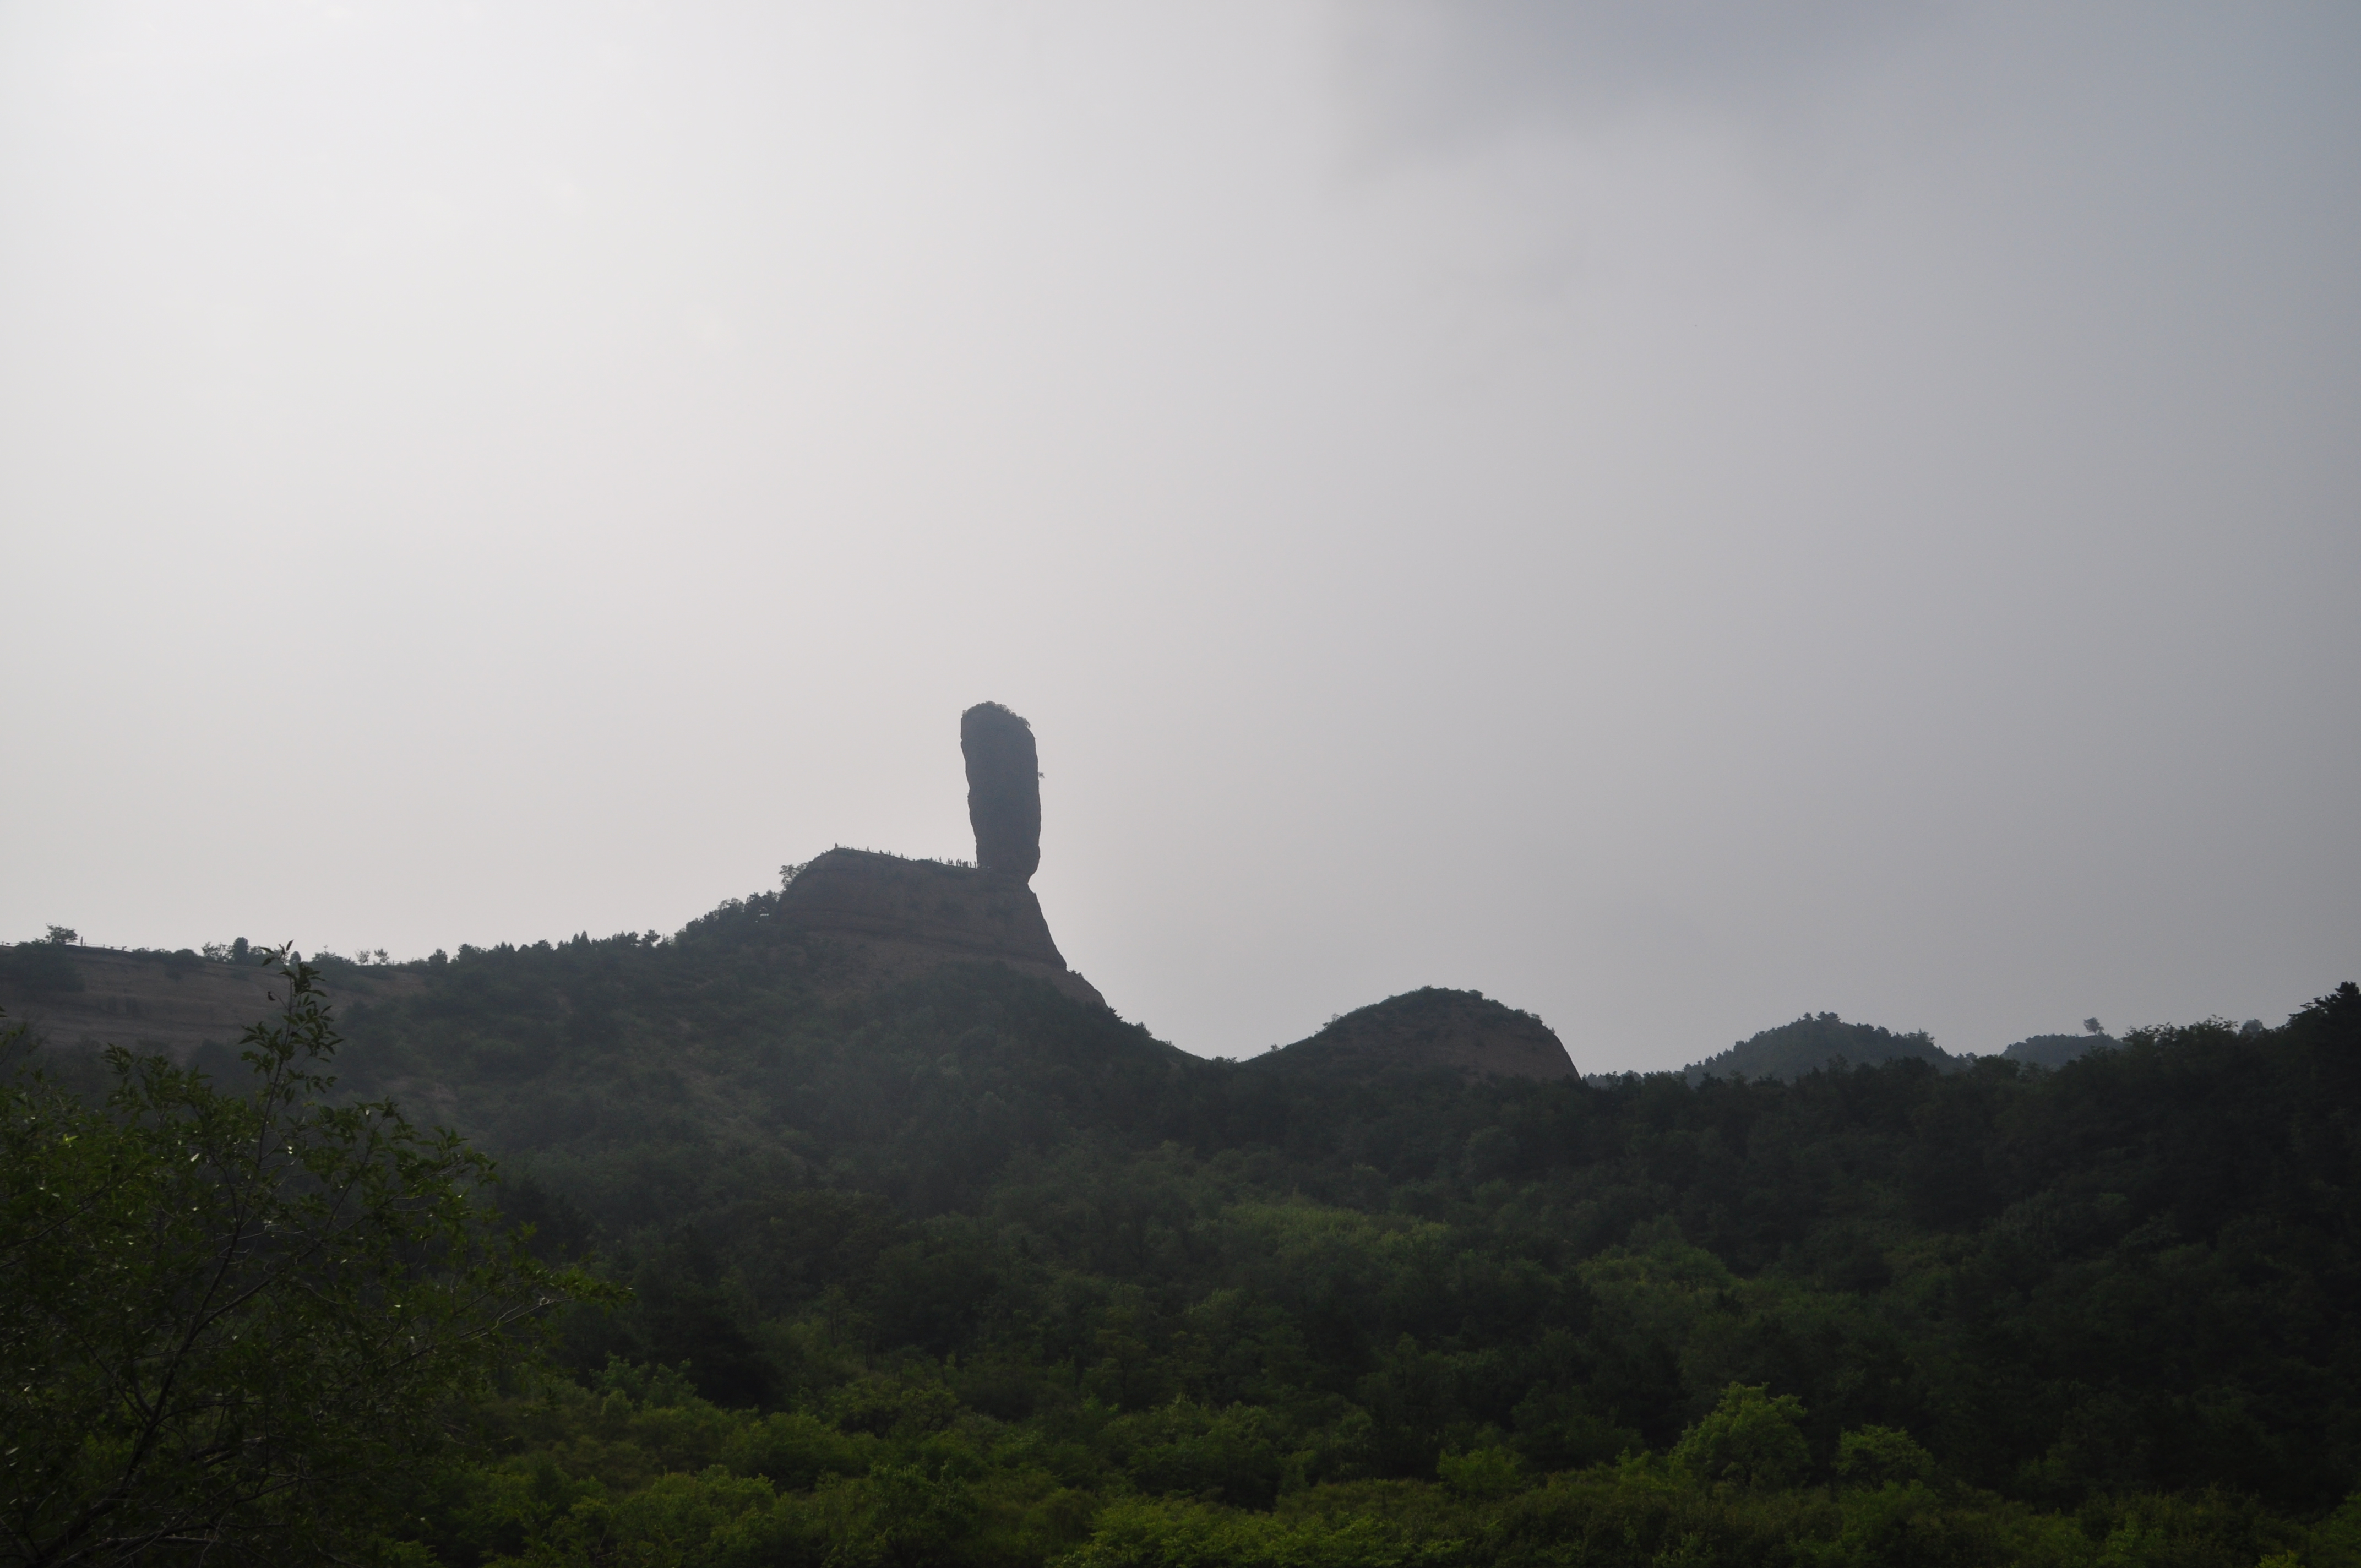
962	1270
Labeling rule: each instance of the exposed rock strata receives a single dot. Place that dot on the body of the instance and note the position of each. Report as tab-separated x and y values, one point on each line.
152	1002
1003	790
895	917
1423	1031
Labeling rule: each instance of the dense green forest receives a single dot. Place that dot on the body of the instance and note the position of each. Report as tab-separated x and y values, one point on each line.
961	1271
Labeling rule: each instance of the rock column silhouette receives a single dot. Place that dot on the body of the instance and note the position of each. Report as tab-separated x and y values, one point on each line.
1003	790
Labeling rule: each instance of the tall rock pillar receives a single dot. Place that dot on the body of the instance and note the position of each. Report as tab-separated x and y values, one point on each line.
1003	790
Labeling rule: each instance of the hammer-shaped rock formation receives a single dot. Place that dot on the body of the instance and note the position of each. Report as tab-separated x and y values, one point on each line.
893	917
1003	790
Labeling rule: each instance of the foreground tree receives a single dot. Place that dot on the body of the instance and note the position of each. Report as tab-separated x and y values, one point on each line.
233	1326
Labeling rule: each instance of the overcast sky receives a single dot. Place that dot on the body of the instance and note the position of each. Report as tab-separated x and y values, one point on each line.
1672	515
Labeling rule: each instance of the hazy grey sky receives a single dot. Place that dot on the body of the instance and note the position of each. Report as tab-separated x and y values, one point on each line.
1673	515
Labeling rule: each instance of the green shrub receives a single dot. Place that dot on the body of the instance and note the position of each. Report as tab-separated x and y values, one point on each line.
1750	1439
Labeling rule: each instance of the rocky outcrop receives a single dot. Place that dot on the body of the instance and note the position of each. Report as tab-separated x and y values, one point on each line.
886	919
1003	790
922	901
1464	1032
890	918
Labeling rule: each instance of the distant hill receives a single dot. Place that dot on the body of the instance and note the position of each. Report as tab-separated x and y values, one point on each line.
1812	1042
2054	1050
1428	1029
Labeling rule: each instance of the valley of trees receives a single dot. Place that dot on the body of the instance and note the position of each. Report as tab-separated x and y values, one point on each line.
959	1271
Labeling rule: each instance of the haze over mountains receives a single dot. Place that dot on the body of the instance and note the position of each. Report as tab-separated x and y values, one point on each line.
880	917
1805	549
1672	527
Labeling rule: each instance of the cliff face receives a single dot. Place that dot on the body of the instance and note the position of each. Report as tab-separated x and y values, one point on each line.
1003	790
892	917
861	892
1458	1031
